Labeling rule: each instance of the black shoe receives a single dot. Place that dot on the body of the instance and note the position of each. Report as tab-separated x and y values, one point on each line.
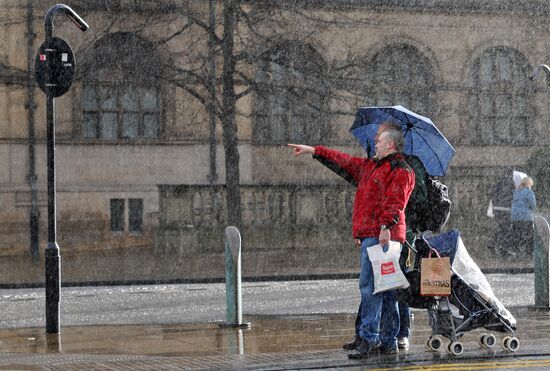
388	350
352	345
364	349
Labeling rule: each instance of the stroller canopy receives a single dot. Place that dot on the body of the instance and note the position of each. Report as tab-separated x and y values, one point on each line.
450	244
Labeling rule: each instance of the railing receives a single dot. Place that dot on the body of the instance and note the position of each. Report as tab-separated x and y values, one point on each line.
286	229
197	205
319	215
300	224
541	250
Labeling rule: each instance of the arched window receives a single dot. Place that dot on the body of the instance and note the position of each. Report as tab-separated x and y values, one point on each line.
401	74
291	96
500	108
121	97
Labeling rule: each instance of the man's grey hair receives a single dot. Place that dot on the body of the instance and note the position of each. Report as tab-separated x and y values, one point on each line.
395	135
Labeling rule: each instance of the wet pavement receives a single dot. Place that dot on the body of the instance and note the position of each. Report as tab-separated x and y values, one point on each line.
301	337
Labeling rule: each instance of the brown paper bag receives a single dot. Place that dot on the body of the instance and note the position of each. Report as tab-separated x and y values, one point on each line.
435	276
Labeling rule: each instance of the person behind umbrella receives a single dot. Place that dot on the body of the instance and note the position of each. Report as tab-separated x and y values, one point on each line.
501	198
523	204
384	186
418	196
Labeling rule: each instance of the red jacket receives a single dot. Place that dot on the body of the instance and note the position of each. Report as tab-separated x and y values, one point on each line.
383	190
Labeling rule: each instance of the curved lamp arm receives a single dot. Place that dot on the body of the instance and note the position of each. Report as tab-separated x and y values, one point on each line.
538	69
79	22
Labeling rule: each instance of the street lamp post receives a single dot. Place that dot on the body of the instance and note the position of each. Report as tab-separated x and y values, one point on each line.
541	244
54	72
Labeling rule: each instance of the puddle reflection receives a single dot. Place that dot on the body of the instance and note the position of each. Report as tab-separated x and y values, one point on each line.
269	334
53	343
235	342
266	335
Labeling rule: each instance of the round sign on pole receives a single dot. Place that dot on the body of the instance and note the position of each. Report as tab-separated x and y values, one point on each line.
54	67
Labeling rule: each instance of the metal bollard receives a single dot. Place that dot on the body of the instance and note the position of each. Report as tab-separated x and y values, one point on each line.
232	240
541	262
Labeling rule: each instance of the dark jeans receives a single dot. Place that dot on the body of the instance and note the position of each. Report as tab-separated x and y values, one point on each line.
379	312
403	309
523	240
501	239
404	320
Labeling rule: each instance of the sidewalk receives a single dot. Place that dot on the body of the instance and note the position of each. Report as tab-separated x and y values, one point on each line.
299	338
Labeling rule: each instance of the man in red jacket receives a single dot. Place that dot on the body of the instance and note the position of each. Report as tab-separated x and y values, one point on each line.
384	185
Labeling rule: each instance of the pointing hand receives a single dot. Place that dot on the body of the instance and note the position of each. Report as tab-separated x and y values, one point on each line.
300	149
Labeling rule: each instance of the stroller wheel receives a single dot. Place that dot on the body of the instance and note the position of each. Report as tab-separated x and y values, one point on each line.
510	343
481	339
513	344
487	340
455	348
434	344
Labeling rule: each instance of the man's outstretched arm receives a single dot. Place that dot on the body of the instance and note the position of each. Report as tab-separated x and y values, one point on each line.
341	163
300	149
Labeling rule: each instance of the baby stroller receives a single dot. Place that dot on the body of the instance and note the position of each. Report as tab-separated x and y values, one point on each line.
472	303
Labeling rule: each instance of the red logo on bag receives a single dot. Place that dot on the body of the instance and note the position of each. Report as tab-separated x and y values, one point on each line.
387	268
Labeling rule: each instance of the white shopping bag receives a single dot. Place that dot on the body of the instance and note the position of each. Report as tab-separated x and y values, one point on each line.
385	266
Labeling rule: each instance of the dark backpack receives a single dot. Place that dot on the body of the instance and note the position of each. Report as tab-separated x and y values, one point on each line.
433	214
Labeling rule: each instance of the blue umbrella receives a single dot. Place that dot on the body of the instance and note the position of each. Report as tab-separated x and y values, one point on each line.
422	138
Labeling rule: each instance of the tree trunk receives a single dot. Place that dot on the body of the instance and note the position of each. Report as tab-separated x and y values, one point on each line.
213	176
34	216
233	195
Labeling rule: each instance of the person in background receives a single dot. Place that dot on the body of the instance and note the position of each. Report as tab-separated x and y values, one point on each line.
523	204
501	197
419	196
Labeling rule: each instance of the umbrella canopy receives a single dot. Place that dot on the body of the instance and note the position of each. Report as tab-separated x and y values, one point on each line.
422	138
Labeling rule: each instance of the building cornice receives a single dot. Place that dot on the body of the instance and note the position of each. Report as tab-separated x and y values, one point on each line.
528	7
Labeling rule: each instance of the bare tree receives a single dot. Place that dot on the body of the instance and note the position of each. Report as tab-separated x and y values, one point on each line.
250	41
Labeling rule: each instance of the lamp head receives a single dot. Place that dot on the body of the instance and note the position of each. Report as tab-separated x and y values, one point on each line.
79	22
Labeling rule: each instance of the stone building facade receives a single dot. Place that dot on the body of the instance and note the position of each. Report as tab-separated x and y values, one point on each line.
140	164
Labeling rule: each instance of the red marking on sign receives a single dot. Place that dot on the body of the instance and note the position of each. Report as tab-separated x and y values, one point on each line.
387	268
42	57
